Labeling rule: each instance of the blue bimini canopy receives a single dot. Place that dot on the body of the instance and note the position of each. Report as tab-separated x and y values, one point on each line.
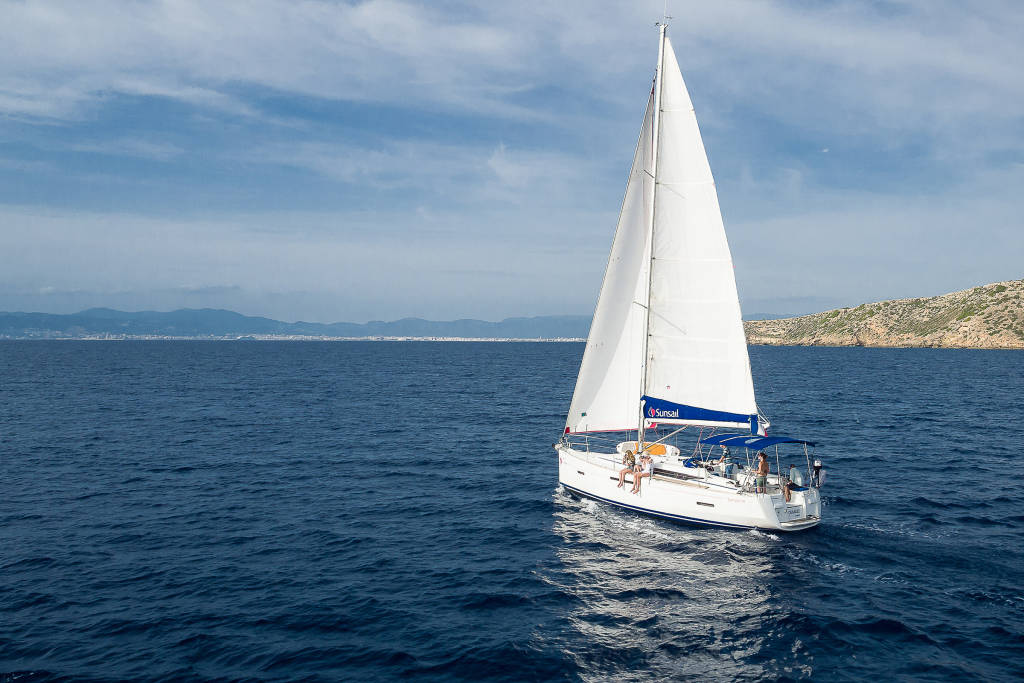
753	442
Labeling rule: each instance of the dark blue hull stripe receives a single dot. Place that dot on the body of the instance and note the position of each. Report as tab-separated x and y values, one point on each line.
666	515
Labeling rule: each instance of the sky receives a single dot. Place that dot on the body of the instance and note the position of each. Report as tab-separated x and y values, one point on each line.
352	161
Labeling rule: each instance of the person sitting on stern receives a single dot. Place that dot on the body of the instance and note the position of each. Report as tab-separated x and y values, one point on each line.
629	460
788	488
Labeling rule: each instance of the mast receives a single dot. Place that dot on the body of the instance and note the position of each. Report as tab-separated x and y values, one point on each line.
656	135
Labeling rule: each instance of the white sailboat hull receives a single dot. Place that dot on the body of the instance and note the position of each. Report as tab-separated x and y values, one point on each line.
697	498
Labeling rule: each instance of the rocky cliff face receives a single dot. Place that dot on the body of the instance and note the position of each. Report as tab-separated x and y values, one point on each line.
988	317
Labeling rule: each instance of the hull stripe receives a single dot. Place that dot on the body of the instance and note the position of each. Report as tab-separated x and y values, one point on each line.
667	515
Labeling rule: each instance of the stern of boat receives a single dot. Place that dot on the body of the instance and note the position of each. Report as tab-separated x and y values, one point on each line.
802	511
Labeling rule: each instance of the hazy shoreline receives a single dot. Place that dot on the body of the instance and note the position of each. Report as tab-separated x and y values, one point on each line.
572	340
254	337
986	317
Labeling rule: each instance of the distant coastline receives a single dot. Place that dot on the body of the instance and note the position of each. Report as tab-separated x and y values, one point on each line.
103	323
298	338
986	317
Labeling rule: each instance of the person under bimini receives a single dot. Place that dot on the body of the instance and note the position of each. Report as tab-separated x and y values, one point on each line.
761	480
644	469
629	460
791	484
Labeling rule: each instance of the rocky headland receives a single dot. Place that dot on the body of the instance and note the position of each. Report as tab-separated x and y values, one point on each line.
987	317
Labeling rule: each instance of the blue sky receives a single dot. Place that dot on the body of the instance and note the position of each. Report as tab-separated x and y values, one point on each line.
373	160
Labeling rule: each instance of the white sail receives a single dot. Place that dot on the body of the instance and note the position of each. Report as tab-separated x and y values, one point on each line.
607	395
697	352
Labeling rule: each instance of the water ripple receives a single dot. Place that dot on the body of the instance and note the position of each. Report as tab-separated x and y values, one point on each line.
359	511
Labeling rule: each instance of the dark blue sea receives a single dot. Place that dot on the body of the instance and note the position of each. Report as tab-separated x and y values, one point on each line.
382	511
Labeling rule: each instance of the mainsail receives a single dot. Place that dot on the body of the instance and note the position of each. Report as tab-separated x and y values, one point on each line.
697	352
697	369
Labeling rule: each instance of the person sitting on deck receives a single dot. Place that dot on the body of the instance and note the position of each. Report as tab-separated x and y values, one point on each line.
645	469
761	480
790	485
629	460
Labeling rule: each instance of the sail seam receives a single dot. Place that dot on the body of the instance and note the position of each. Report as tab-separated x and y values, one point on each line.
686	182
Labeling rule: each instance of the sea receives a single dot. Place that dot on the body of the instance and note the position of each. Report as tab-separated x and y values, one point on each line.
376	511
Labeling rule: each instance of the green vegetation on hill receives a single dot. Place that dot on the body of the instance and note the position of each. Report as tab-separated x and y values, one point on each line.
987	317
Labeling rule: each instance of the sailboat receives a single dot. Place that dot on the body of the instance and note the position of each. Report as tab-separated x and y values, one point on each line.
666	362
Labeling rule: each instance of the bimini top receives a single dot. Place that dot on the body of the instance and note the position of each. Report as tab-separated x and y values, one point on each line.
753	442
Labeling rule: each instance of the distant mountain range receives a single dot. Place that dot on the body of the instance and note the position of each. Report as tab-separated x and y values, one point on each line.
991	316
214	323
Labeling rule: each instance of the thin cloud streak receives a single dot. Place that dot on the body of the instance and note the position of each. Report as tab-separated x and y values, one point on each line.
390	51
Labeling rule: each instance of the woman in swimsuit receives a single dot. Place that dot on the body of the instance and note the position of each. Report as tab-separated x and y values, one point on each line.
630	464
646	469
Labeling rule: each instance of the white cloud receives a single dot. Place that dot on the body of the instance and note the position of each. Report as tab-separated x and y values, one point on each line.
942	69
854	246
377	51
332	266
447	174
863	246
848	80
